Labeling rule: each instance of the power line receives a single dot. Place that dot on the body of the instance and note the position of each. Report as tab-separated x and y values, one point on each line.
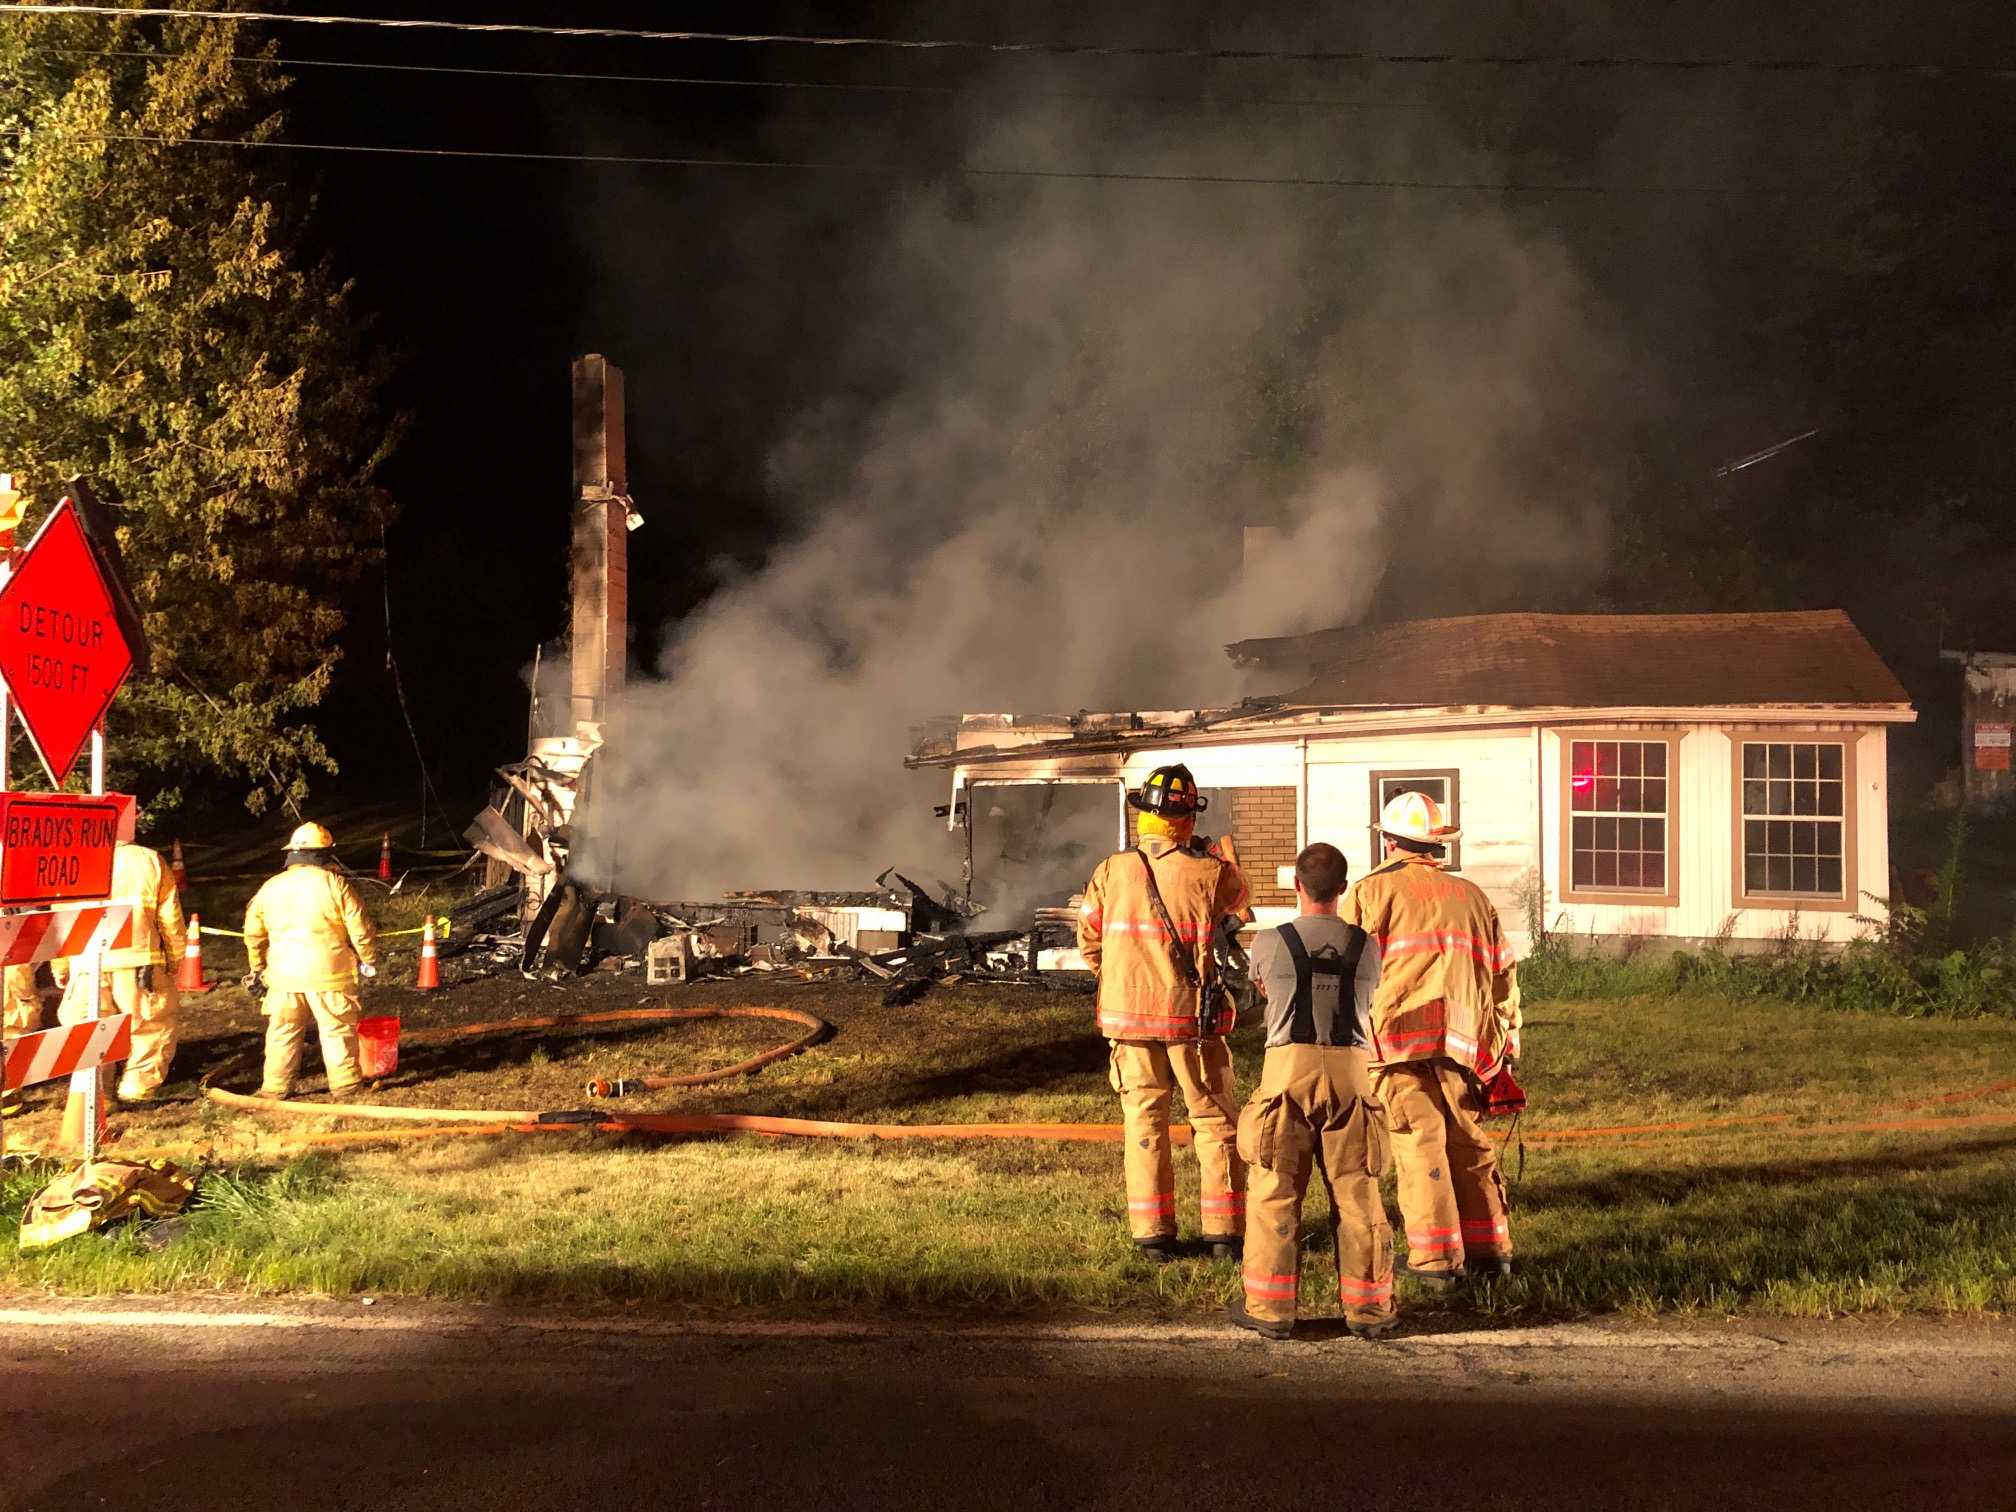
946	91
1049	49
1286	181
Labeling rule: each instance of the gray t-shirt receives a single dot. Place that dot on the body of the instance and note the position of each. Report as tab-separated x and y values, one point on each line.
1326	938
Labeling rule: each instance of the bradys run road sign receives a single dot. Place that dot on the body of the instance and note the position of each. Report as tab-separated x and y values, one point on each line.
55	846
63	652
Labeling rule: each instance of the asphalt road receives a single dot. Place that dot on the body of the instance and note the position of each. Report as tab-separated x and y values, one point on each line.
396	1407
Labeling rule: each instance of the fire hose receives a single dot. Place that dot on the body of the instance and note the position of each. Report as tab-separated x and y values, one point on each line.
479	1121
816	1029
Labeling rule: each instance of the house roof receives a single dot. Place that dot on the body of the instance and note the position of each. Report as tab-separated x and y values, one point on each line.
1582	660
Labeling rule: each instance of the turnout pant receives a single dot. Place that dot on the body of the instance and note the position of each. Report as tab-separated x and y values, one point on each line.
149	995
1315	1109
1146	1074
21	1006
1452	1197
288	1016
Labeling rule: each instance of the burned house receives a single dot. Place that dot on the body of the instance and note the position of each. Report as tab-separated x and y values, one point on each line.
533	910
1666	777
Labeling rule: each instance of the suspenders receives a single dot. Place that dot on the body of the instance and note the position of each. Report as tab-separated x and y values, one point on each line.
1340	970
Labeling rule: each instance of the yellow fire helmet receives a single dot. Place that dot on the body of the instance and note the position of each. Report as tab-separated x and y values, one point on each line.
310	837
1415	816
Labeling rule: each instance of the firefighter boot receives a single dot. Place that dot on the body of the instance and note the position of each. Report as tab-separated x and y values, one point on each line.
1267	1328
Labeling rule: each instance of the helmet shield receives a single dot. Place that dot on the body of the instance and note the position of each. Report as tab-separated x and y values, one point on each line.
1170	791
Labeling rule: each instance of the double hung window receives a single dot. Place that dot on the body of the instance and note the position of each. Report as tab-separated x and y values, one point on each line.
1619	807
1794	827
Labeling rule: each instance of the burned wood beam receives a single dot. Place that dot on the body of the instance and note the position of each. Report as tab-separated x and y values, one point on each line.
493	835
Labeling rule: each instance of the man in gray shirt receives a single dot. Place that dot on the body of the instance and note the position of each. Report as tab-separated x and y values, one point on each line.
1314	1110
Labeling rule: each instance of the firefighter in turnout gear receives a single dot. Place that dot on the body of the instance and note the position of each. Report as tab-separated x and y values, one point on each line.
1315	1109
139	978
21	1004
1445	1019
20	1013
1146	929
308	938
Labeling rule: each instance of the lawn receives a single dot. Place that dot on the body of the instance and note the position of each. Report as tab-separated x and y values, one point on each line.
1771	1218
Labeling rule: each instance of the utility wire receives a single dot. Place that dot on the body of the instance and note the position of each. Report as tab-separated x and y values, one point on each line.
1049	49
942	91
399	691
1458	186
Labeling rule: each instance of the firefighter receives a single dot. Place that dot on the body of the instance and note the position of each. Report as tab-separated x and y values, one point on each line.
307	940
137	979
20	1013
1146	929
1314	1107
20	1003
1444	1020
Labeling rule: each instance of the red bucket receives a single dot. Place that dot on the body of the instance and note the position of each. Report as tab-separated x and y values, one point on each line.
378	1046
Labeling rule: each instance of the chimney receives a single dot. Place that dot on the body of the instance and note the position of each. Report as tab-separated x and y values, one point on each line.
602	516
1259	545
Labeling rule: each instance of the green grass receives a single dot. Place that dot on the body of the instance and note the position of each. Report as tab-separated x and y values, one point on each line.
1731	1221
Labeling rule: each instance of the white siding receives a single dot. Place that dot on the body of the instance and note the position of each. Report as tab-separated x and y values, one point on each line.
1512	823
1706	834
1494	793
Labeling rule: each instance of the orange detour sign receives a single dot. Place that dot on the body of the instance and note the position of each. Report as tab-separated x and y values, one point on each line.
56	846
63	648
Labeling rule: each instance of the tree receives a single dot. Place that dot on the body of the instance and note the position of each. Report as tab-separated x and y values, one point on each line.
159	333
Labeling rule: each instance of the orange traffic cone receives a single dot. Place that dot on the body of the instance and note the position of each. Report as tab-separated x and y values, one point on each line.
72	1135
430	963
181	872
190	977
385	859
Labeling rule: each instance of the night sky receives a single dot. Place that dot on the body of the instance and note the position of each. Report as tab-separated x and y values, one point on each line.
1785	250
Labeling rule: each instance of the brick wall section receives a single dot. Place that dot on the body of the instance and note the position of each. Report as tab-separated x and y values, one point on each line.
1261	821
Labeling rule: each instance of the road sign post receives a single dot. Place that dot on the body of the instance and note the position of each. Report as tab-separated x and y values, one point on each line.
69	636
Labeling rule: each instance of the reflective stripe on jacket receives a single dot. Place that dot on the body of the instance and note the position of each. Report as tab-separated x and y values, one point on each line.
142	878
1141	994
1445	971
306	930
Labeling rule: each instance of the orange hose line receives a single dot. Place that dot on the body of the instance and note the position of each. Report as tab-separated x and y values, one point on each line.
1619	1131
751	1123
816	1029
443	1121
1950	1097
615	1016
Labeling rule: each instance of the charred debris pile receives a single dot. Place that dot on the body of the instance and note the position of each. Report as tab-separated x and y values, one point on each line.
534	917
897	934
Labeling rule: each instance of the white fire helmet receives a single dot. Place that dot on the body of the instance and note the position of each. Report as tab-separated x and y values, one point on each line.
1415	816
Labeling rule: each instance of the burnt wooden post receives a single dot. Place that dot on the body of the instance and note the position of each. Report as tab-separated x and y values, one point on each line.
600	658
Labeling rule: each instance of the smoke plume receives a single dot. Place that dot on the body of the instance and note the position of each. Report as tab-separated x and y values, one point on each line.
1036	418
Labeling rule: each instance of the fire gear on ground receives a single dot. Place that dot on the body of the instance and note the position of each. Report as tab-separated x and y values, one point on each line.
1315	1109
1444	1018
1146	1076
306	933
99	1193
